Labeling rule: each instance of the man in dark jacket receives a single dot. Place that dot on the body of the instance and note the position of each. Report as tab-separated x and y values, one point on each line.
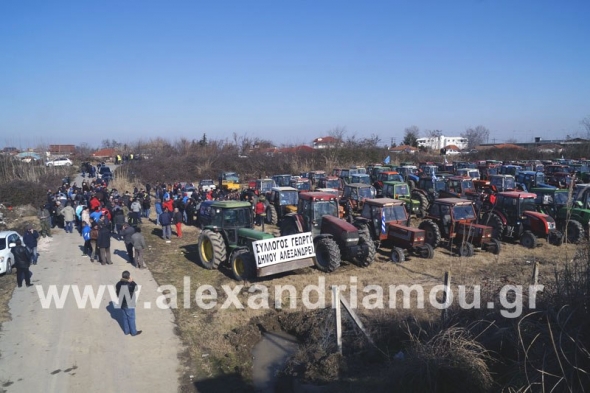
126	233
22	262
127	285
30	239
166	221
104	244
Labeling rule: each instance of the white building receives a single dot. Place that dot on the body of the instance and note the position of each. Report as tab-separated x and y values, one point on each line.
437	143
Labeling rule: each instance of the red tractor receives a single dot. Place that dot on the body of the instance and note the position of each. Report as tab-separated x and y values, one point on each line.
454	219
334	238
514	216
388	225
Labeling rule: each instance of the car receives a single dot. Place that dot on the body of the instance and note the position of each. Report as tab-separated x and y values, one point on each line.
207	185
7	239
62	161
104	172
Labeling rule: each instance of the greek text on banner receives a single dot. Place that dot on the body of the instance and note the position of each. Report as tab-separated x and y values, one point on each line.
283	249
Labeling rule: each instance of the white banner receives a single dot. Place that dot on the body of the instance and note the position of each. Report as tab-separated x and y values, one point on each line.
283	249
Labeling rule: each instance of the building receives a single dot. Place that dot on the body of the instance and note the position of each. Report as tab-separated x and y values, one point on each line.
438	142
325	142
104	153
403	149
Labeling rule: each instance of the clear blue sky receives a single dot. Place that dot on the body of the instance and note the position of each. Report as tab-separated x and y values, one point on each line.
290	71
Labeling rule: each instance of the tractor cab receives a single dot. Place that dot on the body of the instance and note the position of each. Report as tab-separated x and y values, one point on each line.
302	184
503	182
264	186
330	182
510	170
314	206
531	179
361	178
282	180
396	190
459	187
469	172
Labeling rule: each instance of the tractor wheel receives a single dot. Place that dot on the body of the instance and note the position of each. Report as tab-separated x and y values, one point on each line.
243	266
495	222
212	251
411	184
495	247
555	238
365	238
398	255
427	251
466	249
271	215
423	203
575	232
8	267
288	227
432	233
327	255
528	240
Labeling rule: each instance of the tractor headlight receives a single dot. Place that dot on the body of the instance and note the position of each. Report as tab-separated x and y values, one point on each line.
352	240
551	225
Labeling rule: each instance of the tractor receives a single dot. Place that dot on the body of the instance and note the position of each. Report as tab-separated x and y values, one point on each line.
386	176
514	216
429	187
388	226
502	182
360	178
227	237
229	181
570	218
330	182
334	238
264	186
454	220
459	187
280	202
282	180
353	197
410	175
301	185
528	180
400	190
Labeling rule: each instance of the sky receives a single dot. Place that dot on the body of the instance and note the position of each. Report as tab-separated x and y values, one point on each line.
74	72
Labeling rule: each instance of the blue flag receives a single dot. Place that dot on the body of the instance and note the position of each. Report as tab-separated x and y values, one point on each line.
387	160
383	226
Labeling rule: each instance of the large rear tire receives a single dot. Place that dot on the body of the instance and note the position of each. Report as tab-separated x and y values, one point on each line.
575	232
243	266
327	255
365	238
271	215
411	184
423	203
398	255
288	227
432	233
212	251
495	222
528	240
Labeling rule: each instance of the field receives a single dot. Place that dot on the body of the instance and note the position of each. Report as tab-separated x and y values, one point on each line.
220	340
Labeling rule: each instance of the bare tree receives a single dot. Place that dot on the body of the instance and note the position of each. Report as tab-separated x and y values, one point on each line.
476	136
433	133
338	134
586	123
411	136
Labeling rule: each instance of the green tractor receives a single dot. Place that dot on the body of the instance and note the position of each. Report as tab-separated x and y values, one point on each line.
570	218
228	237
401	190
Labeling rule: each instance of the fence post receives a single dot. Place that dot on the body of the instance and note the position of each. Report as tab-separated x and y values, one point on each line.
535	273
336	305
447	285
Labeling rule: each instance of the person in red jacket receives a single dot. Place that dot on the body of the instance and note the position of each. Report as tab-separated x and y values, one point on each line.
259	209
169	204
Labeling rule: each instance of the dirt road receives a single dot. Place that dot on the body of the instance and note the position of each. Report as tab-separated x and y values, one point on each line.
74	349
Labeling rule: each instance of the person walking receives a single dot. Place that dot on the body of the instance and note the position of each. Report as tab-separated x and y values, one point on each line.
166	221
103	242
87	250
68	214
259	210
139	245
45	221
22	262
30	239
127	233
177	219
127	303
93	239
158	206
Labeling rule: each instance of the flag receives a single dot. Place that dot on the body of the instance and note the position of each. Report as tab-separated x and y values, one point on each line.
446	162
383	226
433	179
387	160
